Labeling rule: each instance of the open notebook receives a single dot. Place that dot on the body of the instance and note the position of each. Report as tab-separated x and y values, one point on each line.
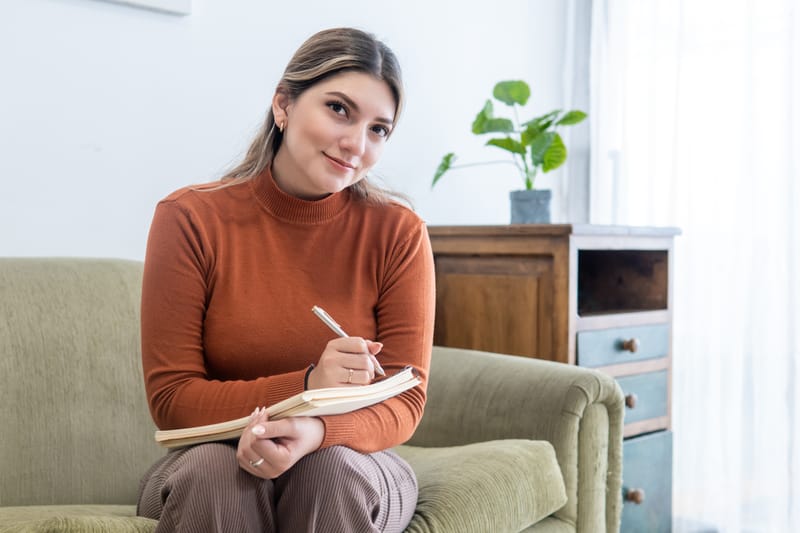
316	402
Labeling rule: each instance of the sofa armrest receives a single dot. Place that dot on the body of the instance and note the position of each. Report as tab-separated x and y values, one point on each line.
478	396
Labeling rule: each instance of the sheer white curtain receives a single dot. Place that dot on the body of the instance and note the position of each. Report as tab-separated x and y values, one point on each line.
695	108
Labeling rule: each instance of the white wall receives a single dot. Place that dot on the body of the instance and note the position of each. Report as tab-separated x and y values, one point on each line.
105	109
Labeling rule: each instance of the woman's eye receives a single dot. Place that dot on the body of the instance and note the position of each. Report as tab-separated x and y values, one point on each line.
382	131
338	108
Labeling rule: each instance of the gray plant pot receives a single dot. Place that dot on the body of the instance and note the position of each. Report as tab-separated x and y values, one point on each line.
530	207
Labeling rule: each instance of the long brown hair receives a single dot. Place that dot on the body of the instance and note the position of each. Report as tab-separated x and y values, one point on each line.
325	54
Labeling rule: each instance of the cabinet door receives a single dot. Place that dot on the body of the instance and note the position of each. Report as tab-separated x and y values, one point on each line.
497	304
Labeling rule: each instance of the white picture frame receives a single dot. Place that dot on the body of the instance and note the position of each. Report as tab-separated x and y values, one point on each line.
175	7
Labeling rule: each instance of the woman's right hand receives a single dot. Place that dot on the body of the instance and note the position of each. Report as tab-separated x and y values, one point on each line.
346	361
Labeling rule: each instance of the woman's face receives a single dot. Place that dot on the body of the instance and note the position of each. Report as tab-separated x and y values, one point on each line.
334	133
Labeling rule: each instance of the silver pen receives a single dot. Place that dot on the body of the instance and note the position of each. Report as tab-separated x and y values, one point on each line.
331	323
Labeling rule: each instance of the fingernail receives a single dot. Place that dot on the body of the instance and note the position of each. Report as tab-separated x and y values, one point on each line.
258	430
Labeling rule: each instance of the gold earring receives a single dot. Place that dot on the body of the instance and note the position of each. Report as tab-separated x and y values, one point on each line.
281	126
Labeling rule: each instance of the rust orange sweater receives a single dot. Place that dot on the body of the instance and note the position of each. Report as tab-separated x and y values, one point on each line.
230	277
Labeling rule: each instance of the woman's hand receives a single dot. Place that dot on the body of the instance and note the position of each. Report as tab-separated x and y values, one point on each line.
345	361
280	443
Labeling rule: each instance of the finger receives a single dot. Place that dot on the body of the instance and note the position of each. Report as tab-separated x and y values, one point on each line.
349	345
258	423
257	413
378	368
364	377
277	457
273	429
248	457
362	361
250	461
262	470
374	348
255	462
358	377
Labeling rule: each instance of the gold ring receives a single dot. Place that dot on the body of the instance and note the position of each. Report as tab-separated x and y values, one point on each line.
350	375
257	463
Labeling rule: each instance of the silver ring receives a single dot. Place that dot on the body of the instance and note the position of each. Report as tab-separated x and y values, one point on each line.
257	463
350	375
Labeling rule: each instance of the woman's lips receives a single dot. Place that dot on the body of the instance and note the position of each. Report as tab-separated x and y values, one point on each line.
339	163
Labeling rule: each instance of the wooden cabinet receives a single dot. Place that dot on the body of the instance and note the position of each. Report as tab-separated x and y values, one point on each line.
595	296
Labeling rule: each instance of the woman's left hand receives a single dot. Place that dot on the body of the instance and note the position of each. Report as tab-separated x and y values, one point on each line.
280	443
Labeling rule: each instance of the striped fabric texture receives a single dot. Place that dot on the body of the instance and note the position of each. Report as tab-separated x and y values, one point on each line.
202	488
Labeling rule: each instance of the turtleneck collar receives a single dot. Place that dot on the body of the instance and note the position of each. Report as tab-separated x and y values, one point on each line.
292	209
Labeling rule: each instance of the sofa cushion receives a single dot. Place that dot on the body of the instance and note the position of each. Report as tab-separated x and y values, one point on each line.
501	485
73	519
76	427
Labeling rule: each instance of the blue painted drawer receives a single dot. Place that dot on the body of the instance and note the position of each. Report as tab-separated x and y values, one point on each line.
645	395
647	476
622	345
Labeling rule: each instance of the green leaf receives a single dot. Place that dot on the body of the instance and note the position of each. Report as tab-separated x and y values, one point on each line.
444	166
555	155
498	125
512	92
530	133
545	121
539	146
507	143
483	117
485	122
572	117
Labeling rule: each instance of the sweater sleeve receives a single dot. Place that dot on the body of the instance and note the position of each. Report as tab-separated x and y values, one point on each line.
175	292
405	314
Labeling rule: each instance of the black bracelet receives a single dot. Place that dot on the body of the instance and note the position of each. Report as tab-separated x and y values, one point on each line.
305	381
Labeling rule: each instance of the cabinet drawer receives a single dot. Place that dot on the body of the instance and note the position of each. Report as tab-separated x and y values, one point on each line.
645	395
647	474
622	345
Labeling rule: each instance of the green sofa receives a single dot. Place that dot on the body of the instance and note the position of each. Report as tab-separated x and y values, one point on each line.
507	444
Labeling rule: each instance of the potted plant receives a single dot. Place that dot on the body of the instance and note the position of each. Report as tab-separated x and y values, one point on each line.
534	146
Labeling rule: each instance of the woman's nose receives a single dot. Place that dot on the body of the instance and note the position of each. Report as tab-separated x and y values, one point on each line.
354	140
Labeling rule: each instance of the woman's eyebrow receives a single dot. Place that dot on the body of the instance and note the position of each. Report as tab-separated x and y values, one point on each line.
349	101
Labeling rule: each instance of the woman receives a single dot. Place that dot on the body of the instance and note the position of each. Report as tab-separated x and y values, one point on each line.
231	274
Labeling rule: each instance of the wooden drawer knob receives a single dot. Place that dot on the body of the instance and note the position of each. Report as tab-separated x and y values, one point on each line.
630	345
630	400
634	495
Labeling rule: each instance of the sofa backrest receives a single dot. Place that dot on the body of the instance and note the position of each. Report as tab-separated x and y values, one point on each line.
74	423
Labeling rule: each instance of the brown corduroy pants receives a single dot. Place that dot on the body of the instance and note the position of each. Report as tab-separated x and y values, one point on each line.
202	489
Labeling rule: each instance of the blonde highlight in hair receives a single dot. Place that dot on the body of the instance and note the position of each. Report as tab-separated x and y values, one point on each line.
325	54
